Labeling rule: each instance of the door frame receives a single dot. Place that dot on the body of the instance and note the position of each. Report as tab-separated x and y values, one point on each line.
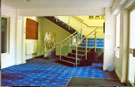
130	9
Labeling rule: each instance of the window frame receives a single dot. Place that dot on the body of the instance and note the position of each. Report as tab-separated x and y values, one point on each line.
8	35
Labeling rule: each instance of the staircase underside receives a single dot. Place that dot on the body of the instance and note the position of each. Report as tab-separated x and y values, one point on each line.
61	24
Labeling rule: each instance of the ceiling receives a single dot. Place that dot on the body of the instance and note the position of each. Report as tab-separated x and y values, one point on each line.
36	4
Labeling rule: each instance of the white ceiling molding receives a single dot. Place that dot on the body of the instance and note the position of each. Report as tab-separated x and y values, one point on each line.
61	12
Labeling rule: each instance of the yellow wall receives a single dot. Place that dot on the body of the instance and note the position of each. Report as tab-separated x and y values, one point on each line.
48	26
44	26
86	30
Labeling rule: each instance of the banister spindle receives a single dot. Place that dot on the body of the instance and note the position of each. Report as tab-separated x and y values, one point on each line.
81	30
68	22
60	51
76	49
56	18
95	41
69	45
86	48
76	55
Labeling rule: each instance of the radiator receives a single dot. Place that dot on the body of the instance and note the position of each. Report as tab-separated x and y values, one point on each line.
30	48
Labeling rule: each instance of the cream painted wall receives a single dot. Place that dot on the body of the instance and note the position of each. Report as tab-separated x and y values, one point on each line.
85	30
109	43
9	59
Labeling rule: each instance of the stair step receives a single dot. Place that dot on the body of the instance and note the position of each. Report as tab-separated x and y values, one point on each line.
92	43
79	51
65	62
94	39
83	48
69	58
80	48
91	47
74	55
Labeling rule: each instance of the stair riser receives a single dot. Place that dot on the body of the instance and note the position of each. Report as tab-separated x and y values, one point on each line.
94	39
79	52
83	49
91	45
66	63
93	42
94	46
69	59
73	55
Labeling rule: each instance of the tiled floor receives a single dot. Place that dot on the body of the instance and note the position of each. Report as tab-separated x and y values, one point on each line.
45	72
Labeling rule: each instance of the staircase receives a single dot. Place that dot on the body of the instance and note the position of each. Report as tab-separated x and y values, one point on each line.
93	56
84	51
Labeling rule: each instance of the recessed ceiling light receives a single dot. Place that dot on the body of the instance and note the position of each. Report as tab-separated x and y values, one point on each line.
27	0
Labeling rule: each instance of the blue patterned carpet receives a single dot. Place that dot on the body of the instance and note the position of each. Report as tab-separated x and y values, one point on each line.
45	72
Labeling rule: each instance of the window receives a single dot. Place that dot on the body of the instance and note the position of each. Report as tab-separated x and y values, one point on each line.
117	35
4	33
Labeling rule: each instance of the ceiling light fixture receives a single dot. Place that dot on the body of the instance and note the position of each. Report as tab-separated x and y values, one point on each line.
26	0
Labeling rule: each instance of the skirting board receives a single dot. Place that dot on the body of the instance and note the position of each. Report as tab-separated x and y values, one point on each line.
119	76
104	68
131	83
33	56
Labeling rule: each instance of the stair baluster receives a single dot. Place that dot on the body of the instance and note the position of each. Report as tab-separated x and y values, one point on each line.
95	41
76	55
69	22
86	48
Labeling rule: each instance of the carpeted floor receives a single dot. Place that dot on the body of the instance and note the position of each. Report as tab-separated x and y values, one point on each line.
77	81
46	72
